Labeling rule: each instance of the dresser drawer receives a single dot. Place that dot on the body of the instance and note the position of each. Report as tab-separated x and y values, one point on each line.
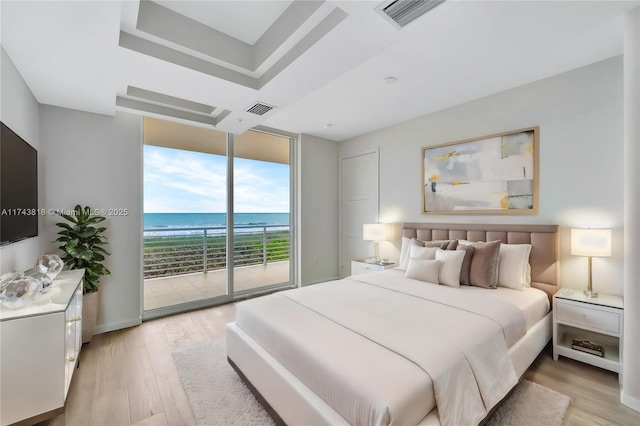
364	268
589	317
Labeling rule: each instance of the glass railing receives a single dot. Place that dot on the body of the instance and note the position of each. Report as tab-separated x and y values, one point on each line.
175	251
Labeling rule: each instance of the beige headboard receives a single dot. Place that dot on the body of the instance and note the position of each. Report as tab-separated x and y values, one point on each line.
543	240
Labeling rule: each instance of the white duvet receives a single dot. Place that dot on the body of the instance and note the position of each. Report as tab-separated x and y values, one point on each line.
383	349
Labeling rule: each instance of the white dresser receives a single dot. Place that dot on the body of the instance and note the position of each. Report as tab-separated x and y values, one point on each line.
39	348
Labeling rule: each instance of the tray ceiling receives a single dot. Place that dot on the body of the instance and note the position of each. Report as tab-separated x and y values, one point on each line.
321	65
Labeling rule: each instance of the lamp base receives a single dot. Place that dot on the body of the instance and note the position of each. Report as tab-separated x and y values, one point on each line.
591	294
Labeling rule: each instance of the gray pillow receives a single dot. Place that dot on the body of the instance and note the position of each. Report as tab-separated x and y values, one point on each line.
466	263
442	244
484	264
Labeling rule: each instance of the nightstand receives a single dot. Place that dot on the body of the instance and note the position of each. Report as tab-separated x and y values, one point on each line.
598	319
360	266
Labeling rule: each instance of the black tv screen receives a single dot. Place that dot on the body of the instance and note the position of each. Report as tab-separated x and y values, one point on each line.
18	188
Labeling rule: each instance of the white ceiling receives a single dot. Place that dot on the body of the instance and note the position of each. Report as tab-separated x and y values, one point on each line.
245	20
318	62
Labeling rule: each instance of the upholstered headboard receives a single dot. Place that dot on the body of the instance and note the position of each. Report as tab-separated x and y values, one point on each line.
543	240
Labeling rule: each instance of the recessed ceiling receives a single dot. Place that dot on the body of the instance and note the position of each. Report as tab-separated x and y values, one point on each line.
245	20
315	62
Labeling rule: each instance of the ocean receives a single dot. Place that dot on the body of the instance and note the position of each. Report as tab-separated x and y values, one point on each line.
201	220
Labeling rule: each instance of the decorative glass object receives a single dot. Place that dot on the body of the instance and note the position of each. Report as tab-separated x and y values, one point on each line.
20	292
5	279
49	264
45	283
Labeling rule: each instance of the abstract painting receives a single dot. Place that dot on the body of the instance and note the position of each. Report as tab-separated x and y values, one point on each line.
491	174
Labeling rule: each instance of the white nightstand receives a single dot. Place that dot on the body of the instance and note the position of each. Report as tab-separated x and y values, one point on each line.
598	319
360	266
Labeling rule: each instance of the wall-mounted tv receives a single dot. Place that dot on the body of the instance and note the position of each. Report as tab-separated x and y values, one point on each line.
18	188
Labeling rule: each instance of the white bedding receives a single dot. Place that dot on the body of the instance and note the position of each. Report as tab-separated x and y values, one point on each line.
342	339
532	301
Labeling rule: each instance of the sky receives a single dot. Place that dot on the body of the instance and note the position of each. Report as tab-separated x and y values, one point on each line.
177	181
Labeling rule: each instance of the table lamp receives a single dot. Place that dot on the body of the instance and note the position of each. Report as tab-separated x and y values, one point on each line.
377	232
591	243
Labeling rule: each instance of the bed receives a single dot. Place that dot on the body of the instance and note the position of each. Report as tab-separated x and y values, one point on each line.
392	348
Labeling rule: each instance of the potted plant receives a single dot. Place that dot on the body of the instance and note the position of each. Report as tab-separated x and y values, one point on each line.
83	245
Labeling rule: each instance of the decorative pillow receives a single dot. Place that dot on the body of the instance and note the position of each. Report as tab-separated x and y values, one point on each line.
420	252
404	253
423	270
415	249
453	244
512	267
484	264
417	242
443	244
450	268
466	263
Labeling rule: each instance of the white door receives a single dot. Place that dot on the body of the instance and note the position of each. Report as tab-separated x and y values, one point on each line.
358	205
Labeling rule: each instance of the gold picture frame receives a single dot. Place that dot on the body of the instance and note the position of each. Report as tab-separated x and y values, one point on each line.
493	174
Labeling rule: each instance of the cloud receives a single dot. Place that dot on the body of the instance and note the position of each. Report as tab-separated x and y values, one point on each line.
183	181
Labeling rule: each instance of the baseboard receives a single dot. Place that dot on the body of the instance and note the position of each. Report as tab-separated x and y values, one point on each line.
630	401
105	328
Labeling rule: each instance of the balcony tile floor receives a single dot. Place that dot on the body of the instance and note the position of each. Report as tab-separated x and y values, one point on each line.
167	291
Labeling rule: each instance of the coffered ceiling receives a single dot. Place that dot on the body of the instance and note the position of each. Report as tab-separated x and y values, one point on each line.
315	67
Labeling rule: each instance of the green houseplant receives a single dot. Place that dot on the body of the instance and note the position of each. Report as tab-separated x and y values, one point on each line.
83	245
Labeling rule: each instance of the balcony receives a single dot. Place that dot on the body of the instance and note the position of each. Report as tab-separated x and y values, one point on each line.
187	264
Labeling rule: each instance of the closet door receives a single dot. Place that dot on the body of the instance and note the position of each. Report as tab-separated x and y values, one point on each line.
359	204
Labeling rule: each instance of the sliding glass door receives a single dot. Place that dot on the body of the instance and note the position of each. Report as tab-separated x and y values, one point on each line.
216	216
261	212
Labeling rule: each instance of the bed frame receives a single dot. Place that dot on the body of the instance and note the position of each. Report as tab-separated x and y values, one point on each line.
289	401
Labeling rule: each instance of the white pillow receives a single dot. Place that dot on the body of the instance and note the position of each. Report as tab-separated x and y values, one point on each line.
451	265
404	253
514	270
420	252
423	270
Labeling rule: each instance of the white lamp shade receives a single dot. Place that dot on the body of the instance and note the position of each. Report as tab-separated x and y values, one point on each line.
377	232
591	242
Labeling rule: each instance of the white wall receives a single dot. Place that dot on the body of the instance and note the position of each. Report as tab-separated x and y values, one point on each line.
318	204
96	160
581	155
631	353
19	111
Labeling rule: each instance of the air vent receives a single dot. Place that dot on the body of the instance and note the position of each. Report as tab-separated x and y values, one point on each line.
402	12
259	108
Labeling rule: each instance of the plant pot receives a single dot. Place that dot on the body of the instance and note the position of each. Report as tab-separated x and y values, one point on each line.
90	303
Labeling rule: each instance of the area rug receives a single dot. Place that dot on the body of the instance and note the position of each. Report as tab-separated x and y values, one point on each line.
218	396
531	404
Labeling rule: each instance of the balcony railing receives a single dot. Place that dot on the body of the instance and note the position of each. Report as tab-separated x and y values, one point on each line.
175	251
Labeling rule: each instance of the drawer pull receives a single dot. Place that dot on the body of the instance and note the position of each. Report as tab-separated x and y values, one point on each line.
71	359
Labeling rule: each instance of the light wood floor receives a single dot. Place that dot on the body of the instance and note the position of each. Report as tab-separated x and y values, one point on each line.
128	377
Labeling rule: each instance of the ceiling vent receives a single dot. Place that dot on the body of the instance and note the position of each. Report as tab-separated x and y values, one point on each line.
259	108
402	12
